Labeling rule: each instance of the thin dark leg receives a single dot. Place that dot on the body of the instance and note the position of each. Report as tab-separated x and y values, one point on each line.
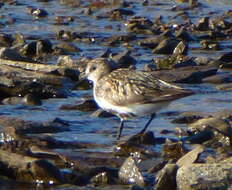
120	129
147	124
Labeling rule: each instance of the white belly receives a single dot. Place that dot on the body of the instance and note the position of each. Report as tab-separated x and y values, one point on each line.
135	109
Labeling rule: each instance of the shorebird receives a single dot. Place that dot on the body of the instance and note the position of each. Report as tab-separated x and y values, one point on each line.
129	93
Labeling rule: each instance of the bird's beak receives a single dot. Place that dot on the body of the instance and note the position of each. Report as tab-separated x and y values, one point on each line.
82	76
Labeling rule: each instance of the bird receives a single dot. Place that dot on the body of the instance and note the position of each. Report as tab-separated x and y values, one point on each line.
129	93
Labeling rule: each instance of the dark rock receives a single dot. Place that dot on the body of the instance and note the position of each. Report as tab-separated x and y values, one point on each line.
206	44
166	178
17	127
189	74
83	105
10	54
203	24
63	20
181	49
31	100
6	40
139	24
184	35
220	128
124	60
118	39
189	117
150	67
67	48
219	78
166	46
37	12
101	113
226	57
173	150
117	14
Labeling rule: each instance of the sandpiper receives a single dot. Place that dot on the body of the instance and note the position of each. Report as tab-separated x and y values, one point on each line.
129	93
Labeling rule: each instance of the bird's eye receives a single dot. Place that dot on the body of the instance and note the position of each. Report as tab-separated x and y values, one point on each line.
94	68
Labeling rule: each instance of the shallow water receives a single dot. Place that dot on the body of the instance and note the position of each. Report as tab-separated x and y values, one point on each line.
103	130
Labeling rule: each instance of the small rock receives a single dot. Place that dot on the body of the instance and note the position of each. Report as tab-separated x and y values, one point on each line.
166	46
101	113
219	78
203	24
181	49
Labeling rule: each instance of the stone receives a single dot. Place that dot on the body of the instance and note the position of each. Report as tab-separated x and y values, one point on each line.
190	157
166	178
204	176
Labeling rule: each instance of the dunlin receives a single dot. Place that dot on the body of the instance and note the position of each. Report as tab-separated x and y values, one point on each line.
129	93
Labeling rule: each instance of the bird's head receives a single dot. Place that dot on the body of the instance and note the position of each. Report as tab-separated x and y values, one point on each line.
97	68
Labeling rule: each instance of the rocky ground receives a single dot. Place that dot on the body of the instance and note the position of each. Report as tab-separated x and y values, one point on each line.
44	47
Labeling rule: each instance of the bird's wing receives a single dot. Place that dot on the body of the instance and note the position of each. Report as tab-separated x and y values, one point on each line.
125	87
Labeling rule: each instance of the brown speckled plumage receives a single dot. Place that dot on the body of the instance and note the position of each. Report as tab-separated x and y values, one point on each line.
127	92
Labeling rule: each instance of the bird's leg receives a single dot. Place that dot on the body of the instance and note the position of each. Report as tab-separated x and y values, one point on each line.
147	124
120	129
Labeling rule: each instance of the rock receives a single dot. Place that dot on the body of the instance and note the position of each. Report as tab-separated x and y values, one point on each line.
101	113
226	57
37	12
130	173
189	117
204	176
6	40
184	35
189	74
203	24
190	157
224	87
166	46
181	49
17	127
166	178
209	45
217	126
219	78
31	100
67	48
173	150
10	54
124	60
139	24
83	105
29	169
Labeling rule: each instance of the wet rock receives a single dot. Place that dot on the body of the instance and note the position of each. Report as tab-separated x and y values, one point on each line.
10	54
37	48
189	74
12	101
152	42
16	127
83	105
118	39
118	13
184	35
6	40
173	61
124	60
66	35
139	24
37	12
31	100
226	57
190	157
63	20
189	117
203	24
181	49
166	178
219	78
206	44
142	143
204	176
220	128
166	46
101	113
28	169
173	150
130	172
66	48
150	67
